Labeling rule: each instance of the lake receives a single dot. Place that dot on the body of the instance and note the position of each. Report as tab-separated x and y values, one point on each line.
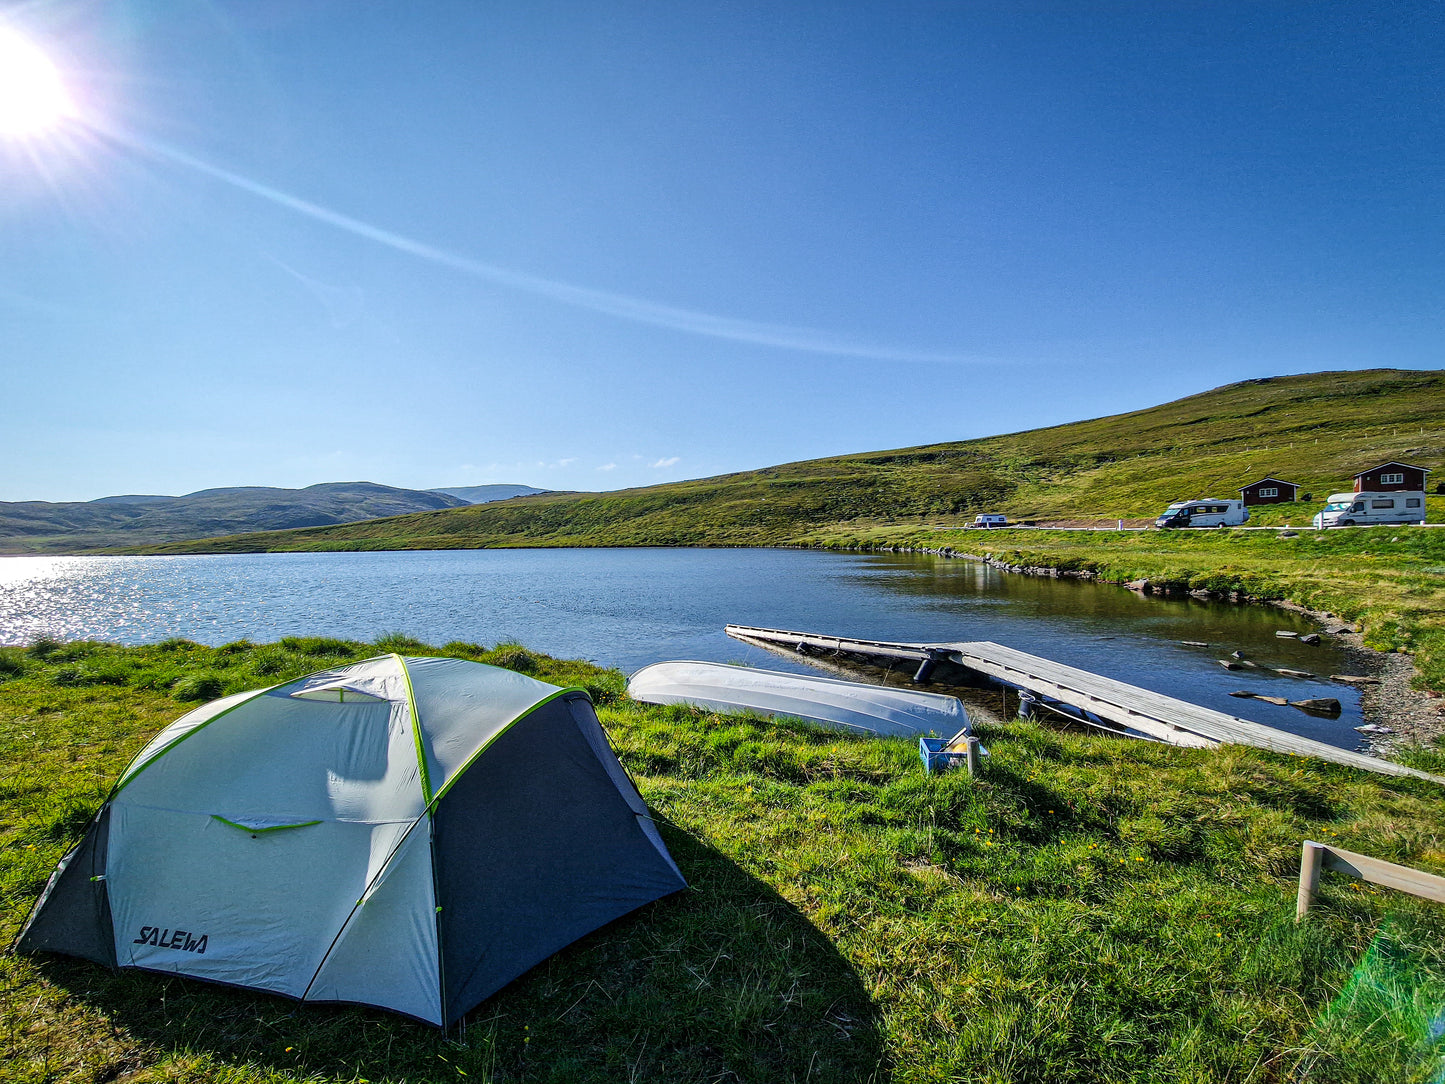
629	607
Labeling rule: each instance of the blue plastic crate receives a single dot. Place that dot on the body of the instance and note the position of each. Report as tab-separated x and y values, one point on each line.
930	751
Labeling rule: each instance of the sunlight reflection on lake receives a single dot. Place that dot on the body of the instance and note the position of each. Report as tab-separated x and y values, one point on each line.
630	607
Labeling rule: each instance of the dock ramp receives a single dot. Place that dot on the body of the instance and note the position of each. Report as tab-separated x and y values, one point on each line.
1124	706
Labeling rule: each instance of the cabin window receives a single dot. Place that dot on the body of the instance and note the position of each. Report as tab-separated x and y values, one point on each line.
1382	504
1412	502
1271	491
1392	479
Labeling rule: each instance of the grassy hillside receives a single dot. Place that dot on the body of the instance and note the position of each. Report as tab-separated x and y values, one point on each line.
1089	910
45	527
1317	430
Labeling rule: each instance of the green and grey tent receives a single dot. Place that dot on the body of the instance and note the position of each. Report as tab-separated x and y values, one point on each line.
410	833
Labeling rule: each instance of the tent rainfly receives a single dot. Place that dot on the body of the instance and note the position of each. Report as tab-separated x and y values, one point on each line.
409	833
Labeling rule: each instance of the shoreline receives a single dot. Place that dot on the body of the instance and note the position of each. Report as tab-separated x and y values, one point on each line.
1414	716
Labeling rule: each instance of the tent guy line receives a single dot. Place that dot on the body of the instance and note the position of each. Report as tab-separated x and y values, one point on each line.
620	306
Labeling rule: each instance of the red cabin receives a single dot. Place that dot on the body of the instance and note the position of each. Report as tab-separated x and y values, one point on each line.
1269	490
1390	477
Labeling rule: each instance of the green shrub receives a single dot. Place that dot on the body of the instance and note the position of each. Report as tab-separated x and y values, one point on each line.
90	675
43	648
461	650
71	652
603	694
316	646
236	647
198	687
177	643
11	665
267	663
513	657
65	675
399	643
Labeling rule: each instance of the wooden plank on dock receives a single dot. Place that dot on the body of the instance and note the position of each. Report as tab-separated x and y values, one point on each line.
1164	717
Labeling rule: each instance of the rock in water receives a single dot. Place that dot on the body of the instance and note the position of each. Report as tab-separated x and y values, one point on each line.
1319	706
1279	700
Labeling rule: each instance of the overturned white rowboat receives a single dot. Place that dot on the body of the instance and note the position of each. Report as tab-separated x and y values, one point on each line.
850	705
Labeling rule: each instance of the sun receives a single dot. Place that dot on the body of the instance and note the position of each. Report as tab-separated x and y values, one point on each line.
33	98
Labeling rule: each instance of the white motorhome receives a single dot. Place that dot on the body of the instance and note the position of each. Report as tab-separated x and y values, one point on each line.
1363	509
1204	512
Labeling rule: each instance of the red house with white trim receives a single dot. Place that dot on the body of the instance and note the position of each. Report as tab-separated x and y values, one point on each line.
1391	477
1269	490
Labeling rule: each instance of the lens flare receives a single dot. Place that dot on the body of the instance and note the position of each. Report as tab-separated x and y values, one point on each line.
33	98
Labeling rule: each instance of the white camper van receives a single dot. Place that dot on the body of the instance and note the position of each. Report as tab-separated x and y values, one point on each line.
1205	512
1363	509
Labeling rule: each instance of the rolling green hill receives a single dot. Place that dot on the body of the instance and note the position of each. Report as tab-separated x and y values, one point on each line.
1317	430
136	520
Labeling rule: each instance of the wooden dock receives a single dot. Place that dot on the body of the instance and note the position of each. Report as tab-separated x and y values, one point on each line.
1118	704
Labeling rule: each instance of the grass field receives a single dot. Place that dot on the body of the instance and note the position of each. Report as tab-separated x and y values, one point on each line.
1088	910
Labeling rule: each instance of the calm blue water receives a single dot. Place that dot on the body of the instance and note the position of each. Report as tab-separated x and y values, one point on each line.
630	607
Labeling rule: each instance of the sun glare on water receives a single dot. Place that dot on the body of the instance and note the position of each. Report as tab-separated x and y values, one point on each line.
33	98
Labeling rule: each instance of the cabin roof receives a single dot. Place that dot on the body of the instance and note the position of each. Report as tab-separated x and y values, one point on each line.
1392	463
1268	478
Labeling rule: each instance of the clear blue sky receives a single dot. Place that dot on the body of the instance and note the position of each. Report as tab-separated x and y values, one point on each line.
590	246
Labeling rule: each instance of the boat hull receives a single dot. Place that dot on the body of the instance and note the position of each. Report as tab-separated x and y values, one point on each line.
846	705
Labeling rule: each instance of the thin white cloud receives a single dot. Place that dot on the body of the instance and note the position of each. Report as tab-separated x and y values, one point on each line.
636	309
608	466
344	305
669	461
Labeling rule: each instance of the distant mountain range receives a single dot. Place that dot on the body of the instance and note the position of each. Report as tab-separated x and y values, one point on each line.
139	519
487	494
